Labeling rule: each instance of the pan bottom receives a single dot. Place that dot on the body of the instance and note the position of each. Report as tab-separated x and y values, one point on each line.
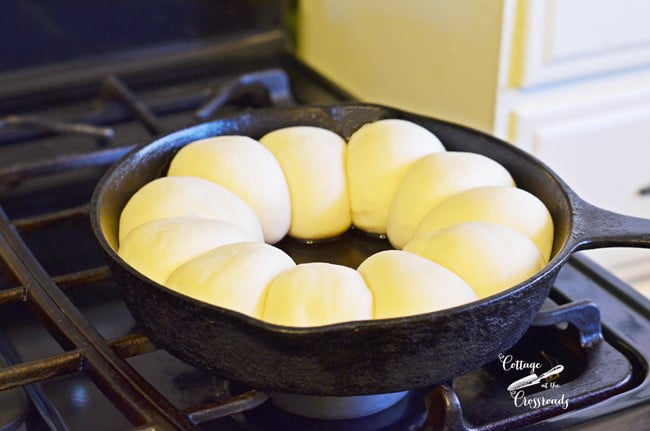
329	407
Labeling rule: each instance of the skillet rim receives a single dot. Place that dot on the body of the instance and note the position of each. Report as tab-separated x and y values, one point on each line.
560	256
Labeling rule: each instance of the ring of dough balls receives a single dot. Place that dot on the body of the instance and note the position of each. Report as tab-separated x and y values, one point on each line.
490	257
169	197
233	276
403	284
433	179
246	168
379	155
509	206
158	247
314	294
313	161
199	230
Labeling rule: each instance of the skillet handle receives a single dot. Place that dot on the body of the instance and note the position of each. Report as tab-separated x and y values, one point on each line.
597	228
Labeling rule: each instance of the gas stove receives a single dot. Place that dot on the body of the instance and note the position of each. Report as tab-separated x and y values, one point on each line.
72	357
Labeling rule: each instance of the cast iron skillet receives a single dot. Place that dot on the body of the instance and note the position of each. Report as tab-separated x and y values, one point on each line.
361	357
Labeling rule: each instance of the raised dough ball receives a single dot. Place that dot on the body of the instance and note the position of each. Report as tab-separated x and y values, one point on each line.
158	247
246	168
314	294
490	257
313	161
509	206
379	154
168	197
233	276
404	283
433	179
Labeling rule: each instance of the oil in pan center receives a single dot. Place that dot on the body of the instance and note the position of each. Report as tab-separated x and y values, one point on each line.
349	249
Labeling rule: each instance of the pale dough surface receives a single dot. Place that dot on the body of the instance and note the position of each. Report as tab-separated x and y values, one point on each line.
313	161
433	179
509	206
314	294
403	284
246	168
379	154
233	276
168	197
490	257
158	247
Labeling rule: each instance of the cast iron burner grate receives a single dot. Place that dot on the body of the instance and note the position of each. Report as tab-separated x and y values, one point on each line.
97	366
85	350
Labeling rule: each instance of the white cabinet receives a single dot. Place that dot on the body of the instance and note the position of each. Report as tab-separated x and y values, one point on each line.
568	80
557	40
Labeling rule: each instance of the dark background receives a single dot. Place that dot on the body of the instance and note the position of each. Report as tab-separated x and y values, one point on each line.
34	32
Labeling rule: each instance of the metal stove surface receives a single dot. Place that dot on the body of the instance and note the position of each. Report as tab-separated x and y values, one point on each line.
72	358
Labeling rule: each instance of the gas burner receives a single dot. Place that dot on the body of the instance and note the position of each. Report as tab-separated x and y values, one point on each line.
331	407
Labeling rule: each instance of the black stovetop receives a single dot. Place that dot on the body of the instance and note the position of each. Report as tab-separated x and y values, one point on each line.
71	355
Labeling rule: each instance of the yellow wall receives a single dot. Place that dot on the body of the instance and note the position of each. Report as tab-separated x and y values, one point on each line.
419	55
